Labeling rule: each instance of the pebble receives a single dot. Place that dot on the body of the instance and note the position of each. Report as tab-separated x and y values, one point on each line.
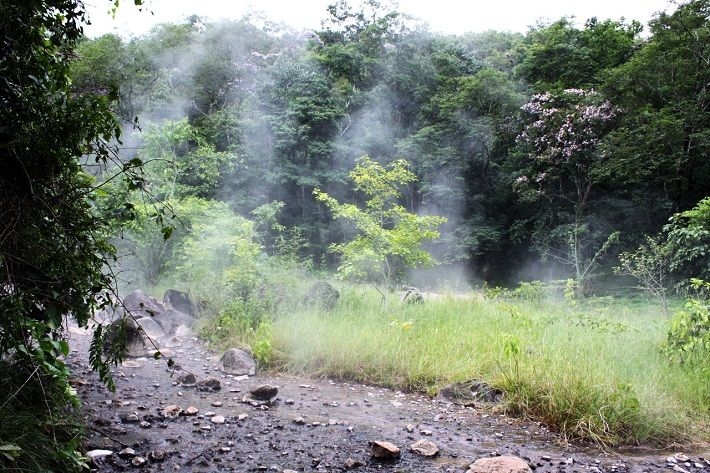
217	404
218	420
382	450
127	452
138	461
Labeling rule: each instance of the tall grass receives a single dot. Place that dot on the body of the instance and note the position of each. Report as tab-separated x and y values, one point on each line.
592	371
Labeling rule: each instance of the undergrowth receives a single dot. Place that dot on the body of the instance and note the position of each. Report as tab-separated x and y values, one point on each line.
592	370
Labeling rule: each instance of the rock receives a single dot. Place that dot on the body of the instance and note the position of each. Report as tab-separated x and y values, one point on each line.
216	404
411	295
138	461
237	362
98	453
126	329
409	428
467	392
190	411
187	379
145	424
184	331
322	295
127	452
129	418
265	392
351	464
150	327
140	304
681	457
171	319
425	448
241	417
181	301
502	464
289	471
679	469
156	456
384	450
209	385
299	421
171	412
218	420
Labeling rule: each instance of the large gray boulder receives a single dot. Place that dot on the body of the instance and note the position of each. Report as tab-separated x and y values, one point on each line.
237	362
170	319
140	304
322	295
126	331
181	302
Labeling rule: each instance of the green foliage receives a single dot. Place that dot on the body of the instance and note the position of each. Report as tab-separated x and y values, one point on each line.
688	235
389	238
689	335
649	265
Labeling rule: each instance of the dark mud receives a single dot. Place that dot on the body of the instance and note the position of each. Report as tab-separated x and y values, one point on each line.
312	426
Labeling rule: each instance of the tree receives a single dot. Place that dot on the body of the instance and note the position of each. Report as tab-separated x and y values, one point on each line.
52	253
388	239
563	164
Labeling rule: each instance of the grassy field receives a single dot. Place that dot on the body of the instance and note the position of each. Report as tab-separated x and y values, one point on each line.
590	370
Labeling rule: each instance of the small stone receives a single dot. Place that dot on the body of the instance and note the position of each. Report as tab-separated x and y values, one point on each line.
680	469
206	427
171	412
502	464
425	448
208	385
190	411
210	414
681	457
138	461
145	425
265	392
410	428
299	421
130	419
351	464
99	453
289	402
426	432
382	450
217	404
289	471
671	460
127	452
156	456
242	417
187	379
218	420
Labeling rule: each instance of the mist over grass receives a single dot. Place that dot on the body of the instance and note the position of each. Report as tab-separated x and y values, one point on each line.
593	372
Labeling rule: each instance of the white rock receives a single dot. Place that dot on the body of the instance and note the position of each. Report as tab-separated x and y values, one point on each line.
98	453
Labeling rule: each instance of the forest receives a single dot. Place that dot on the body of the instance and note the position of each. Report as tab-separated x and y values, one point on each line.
237	160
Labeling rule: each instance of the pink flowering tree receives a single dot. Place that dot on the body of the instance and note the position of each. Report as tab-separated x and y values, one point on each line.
563	162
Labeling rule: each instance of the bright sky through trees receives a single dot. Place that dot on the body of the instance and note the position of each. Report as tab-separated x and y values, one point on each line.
448	16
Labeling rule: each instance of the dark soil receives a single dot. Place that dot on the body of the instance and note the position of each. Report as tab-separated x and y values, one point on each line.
312	426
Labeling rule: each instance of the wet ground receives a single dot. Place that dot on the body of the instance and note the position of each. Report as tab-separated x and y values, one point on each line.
311	426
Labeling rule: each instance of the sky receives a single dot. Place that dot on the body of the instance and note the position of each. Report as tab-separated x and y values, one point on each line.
445	16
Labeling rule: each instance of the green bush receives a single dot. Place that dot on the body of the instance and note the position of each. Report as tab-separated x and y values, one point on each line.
689	335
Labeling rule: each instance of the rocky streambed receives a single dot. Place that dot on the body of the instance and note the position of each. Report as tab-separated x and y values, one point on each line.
193	416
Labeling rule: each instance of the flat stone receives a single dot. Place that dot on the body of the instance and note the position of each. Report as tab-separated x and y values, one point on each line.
425	448
502	464
218	420
99	453
191	411
382	450
138	461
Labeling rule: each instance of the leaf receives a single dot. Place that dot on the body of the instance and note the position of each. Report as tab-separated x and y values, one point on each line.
157	355
167	232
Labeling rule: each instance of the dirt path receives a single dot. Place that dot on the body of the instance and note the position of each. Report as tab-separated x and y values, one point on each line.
312	426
